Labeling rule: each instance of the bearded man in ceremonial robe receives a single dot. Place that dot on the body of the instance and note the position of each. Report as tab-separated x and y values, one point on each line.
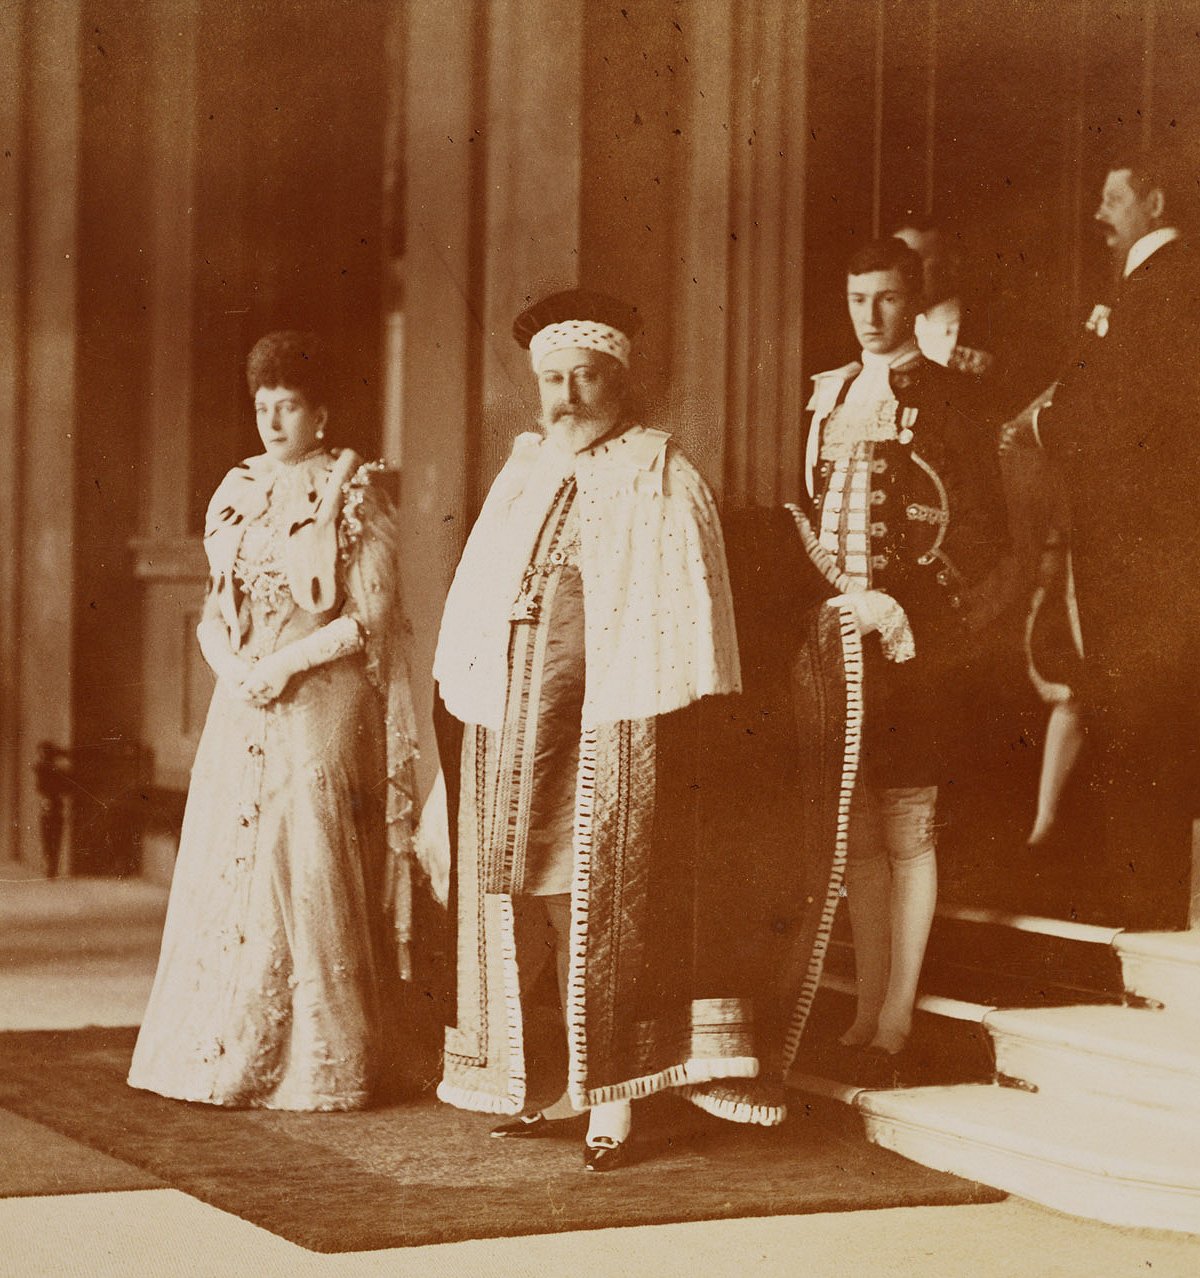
589	616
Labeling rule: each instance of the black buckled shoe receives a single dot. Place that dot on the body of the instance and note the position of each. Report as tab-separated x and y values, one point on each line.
606	1154
532	1127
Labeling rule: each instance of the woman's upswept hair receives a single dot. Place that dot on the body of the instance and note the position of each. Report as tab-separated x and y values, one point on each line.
298	361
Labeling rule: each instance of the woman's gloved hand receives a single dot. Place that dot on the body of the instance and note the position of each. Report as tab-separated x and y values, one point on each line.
269	676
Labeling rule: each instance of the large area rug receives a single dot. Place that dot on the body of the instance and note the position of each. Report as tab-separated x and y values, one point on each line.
36	1161
420	1172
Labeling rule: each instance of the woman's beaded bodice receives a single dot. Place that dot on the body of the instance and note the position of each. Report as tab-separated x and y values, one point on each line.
262	577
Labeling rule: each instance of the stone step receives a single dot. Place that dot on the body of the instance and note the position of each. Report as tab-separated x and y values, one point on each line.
948	1044
1135	1169
1134	1056
1008	960
955	1009
1020	960
1163	967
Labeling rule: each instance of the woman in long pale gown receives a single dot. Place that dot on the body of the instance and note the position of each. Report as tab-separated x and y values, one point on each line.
286	932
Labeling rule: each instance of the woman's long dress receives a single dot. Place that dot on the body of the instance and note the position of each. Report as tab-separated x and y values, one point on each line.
277	959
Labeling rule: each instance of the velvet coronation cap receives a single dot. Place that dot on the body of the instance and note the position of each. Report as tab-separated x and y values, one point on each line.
577	317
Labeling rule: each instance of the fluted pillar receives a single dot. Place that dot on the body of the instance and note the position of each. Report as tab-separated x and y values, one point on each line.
43	539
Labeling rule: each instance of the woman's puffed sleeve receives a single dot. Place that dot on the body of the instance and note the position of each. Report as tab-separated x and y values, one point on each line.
212	633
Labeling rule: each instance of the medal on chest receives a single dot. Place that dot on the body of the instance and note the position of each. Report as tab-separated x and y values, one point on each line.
849	426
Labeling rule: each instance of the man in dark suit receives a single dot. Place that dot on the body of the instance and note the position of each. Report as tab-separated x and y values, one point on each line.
1120	427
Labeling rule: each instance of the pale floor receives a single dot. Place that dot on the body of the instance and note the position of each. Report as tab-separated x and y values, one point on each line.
80	952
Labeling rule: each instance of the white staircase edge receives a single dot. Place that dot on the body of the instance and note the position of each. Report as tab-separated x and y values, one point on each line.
1097	1034
1056	1182
1162	966
1129	1088
1065	929
957	1009
1181	947
818	1085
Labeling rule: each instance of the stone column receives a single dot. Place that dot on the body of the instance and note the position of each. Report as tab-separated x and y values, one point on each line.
492	138
12	171
440	380
43	541
533	188
168	560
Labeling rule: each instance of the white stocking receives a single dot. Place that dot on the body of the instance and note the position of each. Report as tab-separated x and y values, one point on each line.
907	818
868	894
613	1119
868	897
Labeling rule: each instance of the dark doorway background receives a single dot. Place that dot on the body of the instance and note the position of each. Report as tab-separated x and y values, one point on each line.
290	143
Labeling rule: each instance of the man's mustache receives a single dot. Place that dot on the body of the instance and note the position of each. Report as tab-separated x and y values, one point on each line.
578	411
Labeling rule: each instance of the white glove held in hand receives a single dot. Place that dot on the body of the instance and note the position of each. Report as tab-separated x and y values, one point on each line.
867	606
874	610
